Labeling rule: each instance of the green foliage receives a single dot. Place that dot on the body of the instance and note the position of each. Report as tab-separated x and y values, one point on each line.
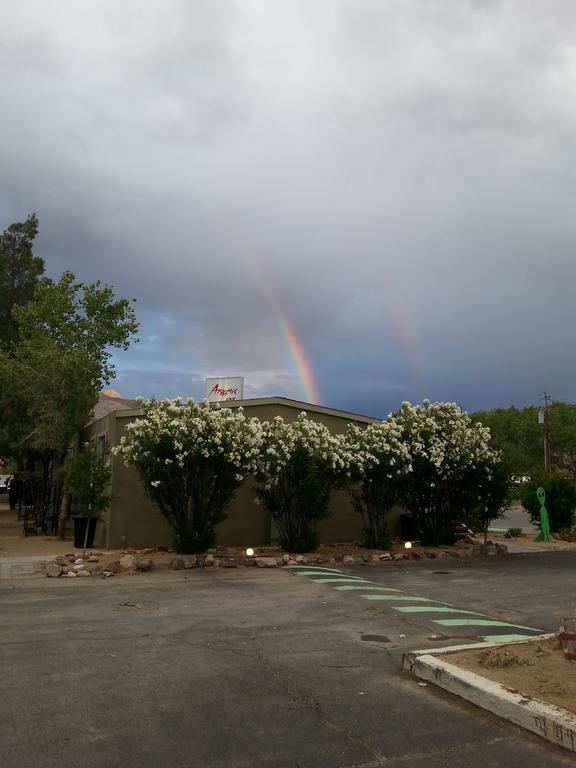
298	500
20	271
513	533
375	463
297	470
452	462
50	379
517	434
89	480
560	500
191	459
484	496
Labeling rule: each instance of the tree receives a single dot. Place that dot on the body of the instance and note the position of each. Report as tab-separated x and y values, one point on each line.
52	376
445	446
20	271
486	496
296	473
50	379
560	500
517	434
376	461
89	480
191	459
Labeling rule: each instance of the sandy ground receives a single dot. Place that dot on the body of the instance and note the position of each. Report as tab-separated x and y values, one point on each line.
14	544
536	669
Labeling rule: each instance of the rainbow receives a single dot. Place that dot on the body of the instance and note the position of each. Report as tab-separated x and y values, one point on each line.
289	335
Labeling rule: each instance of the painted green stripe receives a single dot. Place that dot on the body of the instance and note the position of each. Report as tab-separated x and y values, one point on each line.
504	638
361	586
398	597
353	579
311	567
321	573
480	623
433	609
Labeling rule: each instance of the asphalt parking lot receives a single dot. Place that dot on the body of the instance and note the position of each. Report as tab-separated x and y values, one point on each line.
251	667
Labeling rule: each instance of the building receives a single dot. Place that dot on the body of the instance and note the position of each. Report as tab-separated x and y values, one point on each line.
132	520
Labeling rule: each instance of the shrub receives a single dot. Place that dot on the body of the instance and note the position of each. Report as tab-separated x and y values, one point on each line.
295	476
191	459
451	457
560	500
375	462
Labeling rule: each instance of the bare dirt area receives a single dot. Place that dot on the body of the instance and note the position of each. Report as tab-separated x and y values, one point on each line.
537	669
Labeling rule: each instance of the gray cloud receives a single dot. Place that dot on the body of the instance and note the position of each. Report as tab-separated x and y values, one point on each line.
394	178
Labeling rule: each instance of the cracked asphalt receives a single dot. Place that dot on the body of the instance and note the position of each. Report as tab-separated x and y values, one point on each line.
243	668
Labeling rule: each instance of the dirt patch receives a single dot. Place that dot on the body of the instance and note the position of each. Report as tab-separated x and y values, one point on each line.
537	669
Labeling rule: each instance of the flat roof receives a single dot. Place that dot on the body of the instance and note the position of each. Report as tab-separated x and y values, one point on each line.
286	401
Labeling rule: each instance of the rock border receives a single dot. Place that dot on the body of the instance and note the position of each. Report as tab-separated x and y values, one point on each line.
548	721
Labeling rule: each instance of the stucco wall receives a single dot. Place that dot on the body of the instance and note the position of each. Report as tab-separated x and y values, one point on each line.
134	521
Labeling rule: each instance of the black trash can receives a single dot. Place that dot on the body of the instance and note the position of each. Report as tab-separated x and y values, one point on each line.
80	524
407	527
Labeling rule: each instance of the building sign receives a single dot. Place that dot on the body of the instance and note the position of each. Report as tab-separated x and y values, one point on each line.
218	390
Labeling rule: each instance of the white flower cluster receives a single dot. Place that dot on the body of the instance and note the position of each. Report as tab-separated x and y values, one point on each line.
375	450
281	440
174	435
443	436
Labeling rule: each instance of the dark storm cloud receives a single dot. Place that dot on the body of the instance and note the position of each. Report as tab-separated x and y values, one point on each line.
396	178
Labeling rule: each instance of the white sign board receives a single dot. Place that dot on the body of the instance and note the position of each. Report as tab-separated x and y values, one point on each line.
218	390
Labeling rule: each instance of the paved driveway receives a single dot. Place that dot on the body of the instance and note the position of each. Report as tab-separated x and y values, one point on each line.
249	668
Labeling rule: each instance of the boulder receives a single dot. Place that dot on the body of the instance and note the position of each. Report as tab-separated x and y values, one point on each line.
228	562
127	561
385	556
144	564
191	562
177	564
501	549
208	561
300	559
54	570
348	559
285	559
84	573
71	574
114	566
266	562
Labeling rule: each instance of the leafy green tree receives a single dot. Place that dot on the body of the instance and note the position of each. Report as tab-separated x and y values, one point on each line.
562	430
560	500
518	435
50	379
89	481
487	496
20	271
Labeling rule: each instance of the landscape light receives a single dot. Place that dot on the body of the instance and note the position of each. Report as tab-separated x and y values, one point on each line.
249	552
408	545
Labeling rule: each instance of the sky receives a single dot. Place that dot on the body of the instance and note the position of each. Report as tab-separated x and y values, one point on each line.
359	201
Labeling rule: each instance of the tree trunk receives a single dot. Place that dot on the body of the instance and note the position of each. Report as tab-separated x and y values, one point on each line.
64	509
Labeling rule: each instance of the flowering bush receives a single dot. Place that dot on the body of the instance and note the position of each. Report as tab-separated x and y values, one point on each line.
191	458
375	463
295	475
446	449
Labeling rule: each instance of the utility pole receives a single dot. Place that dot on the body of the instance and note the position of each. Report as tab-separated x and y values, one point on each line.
547	457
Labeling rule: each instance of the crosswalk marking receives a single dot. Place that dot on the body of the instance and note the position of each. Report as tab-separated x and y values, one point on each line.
352	579
433	609
480	623
398	597
371	588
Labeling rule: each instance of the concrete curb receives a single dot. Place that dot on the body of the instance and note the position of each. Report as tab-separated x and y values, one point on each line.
552	723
